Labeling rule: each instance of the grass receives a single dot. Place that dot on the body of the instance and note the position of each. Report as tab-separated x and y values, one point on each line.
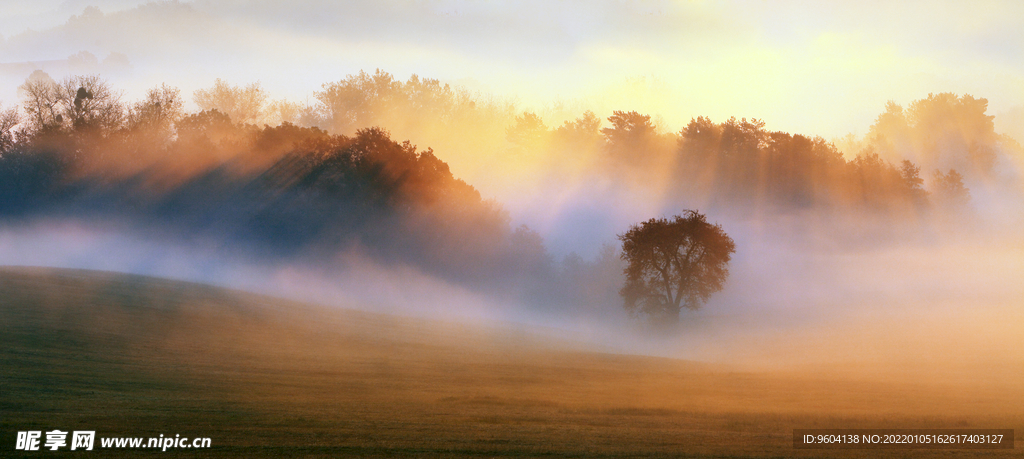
263	377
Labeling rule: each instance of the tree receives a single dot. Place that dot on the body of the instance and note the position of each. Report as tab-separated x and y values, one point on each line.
630	136
161	108
950	190
81	103
584	131
360	101
39	94
243	105
90	104
891	132
9	120
674	264
912	181
528	133
149	125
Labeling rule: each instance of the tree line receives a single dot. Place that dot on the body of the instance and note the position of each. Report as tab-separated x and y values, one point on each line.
290	180
75	149
911	163
739	164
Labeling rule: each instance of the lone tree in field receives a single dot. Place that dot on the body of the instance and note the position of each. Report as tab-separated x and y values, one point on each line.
674	263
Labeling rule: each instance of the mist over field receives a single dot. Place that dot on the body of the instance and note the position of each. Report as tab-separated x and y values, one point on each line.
849	262
876	219
531	229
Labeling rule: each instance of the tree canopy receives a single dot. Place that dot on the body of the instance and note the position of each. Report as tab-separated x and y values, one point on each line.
673	264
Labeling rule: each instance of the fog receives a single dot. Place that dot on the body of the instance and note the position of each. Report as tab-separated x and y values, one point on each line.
846	258
942	307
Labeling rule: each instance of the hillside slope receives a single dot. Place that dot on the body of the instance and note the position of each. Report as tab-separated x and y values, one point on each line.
263	377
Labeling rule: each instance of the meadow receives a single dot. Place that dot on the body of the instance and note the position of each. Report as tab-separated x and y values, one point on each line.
132	356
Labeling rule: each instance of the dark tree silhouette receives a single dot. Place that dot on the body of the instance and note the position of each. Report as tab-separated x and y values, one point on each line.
82	103
9	119
674	264
628	128
631	137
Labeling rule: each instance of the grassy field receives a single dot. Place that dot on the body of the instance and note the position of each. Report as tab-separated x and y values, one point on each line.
262	377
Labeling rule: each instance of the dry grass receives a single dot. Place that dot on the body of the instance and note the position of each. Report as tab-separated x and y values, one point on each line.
133	356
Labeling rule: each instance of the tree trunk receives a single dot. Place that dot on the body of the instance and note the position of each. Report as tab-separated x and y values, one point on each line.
672	315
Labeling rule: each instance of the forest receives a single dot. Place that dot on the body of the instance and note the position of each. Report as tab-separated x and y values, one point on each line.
346	172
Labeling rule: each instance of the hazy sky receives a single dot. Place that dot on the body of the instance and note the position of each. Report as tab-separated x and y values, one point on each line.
809	67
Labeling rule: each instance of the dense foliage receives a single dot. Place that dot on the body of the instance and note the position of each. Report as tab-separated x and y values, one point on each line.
674	264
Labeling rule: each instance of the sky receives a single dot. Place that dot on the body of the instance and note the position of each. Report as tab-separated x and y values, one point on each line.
819	68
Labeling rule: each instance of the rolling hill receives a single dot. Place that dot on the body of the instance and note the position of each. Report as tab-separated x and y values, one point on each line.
132	356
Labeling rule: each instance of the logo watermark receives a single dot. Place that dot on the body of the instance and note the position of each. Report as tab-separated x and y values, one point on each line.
85	440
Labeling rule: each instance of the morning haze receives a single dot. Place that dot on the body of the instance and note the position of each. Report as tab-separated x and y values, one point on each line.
668	227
